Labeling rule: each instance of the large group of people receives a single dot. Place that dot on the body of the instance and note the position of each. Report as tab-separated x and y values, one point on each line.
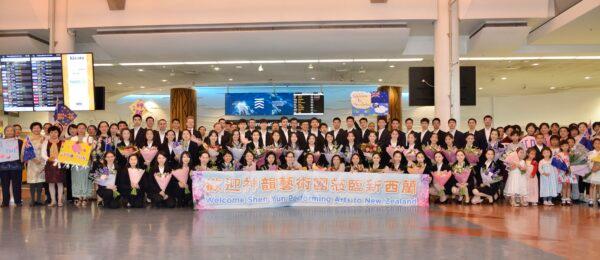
136	166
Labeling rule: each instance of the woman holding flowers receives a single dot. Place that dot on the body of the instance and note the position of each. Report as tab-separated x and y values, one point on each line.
397	164
130	183
105	176
161	186
462	172
488	177
443	181
182	192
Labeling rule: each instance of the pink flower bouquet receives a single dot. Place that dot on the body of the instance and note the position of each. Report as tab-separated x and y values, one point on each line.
391	150
410	154
512	159
135	175
450	155
182	176
163	180
148	154
461	175
429	151
441	178
472	155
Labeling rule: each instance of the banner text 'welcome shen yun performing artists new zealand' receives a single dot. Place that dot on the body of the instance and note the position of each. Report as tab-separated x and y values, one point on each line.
264	189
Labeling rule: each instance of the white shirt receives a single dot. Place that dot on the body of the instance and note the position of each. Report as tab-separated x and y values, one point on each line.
263	135
161	135
335	133
135	131
488	131
315	132
379	132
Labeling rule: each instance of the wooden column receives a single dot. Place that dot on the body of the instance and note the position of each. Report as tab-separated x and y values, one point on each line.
183	103
395	98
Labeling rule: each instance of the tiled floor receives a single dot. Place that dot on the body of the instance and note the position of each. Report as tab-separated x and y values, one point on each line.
441	232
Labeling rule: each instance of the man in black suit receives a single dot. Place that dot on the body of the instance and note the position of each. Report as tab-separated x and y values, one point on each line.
176	127
314	129
436	130
409	123
150	125
138	133
395	125
459	137
284	132
425	135
303	133
162	131
265	135
539	145
482	137
223	136
190	124
352	126
383	135
363	137
339	134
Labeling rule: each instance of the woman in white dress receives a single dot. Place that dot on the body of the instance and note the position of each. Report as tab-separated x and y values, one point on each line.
35	166
594	178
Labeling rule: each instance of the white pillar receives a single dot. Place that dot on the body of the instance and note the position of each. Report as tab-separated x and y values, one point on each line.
61	39
447	81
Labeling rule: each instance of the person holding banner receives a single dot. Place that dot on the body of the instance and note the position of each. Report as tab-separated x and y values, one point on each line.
82	185
35	166
11	166
161	186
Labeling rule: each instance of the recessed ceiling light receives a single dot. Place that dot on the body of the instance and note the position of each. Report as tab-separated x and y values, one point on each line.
552	87
216	68
392	66
480	88
142	87
119	83
310	66
380	80
587	77
140	70
238	67
313	78
230	79
164	80
535	64
503	78
172	74
260	68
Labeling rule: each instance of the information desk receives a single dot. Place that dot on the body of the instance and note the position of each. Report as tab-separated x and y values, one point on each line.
268	189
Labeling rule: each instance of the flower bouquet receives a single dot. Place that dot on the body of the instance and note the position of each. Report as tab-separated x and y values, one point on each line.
490	175
276	149
430	151
148	154
259	155
472	154
441	178
177	149
416	168
450	155
369	150
104	177
236	152
512	159
250	168
578	159
410	154
461	174
391	150
128	150
182	176
163	180
336	150
213	152
135	175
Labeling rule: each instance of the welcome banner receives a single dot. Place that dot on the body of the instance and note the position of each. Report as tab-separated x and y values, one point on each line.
268	189
74	153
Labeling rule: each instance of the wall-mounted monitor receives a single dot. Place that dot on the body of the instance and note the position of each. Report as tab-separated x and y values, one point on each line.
38	82
308	104
259	104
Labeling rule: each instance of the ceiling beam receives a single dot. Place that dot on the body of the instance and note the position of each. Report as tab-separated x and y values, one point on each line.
115	5
378	1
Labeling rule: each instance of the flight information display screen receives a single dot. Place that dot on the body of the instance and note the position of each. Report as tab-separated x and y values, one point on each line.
47	79
309	104
17	90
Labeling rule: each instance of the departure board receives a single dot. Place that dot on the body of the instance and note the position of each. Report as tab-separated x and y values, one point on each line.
309	104
47	78
39	82
16	83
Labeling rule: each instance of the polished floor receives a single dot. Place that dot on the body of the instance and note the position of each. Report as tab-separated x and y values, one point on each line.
441	232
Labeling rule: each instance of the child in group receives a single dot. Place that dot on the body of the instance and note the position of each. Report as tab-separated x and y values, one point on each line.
516	185
565	178
594	178
532	179
548	177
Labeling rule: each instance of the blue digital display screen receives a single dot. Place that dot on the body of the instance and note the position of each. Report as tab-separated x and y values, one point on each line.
259	104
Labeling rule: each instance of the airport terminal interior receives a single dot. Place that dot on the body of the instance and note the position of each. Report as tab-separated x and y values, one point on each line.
314	129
